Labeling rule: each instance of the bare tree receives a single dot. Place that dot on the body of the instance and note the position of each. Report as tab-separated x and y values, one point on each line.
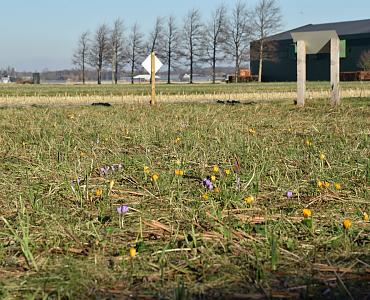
364	60
238	34
134	48
80	54
191	37
169	43
116	47
156	35
267	20
214	37
155	38
99	50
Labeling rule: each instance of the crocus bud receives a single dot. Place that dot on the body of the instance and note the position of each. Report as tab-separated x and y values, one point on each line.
132	253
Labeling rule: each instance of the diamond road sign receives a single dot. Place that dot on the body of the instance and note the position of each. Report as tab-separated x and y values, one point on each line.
148	62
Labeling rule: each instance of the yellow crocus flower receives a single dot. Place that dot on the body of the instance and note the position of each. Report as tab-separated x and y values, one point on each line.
307	213
347	224
132	253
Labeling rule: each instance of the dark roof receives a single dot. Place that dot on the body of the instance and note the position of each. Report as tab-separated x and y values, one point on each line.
342	28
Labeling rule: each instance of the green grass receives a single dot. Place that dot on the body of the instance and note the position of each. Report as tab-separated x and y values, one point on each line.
59	242
52	90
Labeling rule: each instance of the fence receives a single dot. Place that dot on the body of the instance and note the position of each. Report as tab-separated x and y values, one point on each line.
65	99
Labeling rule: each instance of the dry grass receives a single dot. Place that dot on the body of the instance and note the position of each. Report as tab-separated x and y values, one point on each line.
104	90
59	242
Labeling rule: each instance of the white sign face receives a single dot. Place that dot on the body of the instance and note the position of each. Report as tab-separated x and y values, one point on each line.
147	64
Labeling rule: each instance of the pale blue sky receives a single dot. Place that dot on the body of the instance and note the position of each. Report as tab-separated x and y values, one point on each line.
41	34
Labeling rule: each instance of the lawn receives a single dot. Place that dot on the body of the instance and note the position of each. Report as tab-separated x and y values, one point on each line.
241	201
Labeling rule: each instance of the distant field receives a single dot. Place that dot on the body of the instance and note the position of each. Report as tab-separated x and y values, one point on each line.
52	90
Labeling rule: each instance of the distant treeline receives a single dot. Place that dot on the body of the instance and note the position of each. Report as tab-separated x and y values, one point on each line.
187	42
106	75
75	74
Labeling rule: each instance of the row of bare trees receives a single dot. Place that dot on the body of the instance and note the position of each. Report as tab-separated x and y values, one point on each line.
226	36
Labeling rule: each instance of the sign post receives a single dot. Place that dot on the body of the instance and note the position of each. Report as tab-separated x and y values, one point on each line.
334	71
153	77
301	73
152	64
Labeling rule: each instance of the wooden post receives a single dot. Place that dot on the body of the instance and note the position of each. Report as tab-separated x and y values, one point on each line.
153	78
334	71
301	73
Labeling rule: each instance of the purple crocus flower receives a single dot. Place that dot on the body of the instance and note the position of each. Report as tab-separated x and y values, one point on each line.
207	183
125	209
148	150
289	194
112	167
119	166
79	180
184	125
102	170
238	180
107	169
73	184
97	141
92	143
121	211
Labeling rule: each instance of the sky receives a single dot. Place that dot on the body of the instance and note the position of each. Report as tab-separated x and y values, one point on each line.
41	34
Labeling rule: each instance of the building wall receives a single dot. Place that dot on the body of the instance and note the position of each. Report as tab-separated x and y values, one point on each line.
318	65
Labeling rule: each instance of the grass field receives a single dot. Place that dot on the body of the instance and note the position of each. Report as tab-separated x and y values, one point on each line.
241	234
52	90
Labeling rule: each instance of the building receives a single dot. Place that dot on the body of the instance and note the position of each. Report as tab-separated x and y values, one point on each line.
5	79
244	72
354	36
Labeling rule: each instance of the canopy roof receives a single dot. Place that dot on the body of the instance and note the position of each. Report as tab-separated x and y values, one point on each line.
316	41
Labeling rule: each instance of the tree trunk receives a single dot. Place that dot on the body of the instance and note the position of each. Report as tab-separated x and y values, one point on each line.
99	75
191	68
83	68
214	71
132	75
113	69
116	71
169	69
236	64
214	65
260	66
